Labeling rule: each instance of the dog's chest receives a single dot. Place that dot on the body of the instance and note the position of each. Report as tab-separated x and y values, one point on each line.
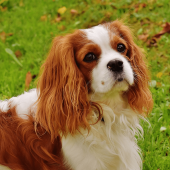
110	145
79	155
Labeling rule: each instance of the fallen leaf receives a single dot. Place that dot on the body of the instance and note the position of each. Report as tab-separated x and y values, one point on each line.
159	75
152	42
136	7
139	6
43	18
18	53
154	39
143	5
10	34
166	29
143	37
3	9
73	11
28	80
62	10
3	36
11	53
58	19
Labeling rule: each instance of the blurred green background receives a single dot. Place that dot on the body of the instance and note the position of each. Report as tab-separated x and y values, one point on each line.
27	28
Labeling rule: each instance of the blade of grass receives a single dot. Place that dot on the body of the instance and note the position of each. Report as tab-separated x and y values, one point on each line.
11	53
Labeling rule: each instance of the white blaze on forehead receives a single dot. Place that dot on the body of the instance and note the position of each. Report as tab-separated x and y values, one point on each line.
100	36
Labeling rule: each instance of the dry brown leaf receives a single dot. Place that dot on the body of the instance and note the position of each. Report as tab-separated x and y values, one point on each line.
58	19
136	7
166	29
28	80
152	42
18	53
156	37
143	5
3	9
143	37
10	34
3	36
139	6
43	18
73	11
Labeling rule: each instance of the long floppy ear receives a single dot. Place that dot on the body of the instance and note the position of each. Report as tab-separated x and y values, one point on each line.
63	103
139	95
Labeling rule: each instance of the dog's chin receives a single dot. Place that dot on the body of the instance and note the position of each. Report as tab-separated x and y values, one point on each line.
117	88
120	86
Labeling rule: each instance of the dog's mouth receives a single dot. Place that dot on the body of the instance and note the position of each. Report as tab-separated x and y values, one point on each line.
120	79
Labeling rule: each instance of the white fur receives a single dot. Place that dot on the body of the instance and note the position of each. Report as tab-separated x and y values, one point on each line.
103	79
24	103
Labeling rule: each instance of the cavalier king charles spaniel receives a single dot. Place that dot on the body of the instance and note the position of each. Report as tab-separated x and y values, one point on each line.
85	112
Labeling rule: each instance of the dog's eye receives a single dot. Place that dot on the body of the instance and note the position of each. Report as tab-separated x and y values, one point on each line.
89	57
121	48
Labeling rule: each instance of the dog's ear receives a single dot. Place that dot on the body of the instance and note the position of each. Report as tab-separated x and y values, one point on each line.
139	95
63	103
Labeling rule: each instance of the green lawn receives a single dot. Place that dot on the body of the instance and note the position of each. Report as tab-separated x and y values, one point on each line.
29	27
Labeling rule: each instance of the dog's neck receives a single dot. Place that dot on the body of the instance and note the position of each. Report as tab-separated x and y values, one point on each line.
115	100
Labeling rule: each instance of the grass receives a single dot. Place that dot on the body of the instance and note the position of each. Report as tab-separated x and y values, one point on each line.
33	26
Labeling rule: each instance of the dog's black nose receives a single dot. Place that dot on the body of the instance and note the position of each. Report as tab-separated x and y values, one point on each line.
115	65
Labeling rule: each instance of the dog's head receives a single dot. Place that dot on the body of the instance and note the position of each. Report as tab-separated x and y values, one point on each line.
101	59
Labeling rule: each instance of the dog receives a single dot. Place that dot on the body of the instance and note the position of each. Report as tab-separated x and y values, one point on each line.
84	114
